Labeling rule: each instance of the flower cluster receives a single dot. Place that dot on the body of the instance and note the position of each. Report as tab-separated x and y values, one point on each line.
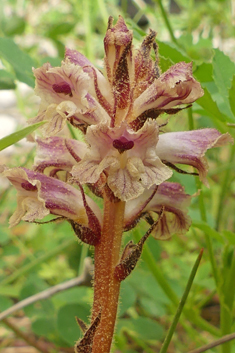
124	153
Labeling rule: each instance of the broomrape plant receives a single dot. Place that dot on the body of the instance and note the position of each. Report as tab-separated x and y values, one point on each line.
126	159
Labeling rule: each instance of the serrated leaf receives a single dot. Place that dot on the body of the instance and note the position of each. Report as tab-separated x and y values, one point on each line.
168	50
223	72
19	135
6	80
211	107
232	96
21	62
165	63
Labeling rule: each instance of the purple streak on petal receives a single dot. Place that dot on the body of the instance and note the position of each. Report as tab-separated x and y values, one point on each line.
29	187
53	207
63	87
77	58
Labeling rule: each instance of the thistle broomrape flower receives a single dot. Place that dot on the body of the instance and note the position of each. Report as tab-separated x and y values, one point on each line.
39	195
124	150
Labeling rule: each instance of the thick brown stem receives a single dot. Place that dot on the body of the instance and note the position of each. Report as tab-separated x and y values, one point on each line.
106	286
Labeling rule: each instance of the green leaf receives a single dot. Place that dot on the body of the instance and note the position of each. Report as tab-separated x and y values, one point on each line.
66	321
21	62
13	25
44	327
165	63
230	236
223	72
208	230
59	29
78	295
128	298
5	303
143	328
19	135
232	96
6	80
10	291
4	237
169	50
211	107
204	72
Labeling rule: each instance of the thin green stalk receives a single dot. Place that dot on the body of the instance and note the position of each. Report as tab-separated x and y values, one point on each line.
190	119
167	22
161	280
227	301
27	268
181	305
88	30
224	189
202	210
84	253
103	11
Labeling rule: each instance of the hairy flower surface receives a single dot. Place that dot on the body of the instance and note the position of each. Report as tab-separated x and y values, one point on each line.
124	153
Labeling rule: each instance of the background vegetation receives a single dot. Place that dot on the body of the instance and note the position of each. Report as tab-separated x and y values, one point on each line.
34	258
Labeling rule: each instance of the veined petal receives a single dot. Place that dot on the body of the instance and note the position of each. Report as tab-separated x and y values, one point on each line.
68	82
66	92
189	147
101	88
129	158
175	219
58	154
175	87
40	195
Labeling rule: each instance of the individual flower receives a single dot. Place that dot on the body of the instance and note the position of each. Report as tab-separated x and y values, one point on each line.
189	147
128	158
39	195
175	201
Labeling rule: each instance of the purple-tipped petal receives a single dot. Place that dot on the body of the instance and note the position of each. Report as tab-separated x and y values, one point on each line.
40	195
189	147
58	153
174	220
175	87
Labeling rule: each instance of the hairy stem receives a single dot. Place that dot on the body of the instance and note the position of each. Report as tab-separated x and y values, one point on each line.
106	286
